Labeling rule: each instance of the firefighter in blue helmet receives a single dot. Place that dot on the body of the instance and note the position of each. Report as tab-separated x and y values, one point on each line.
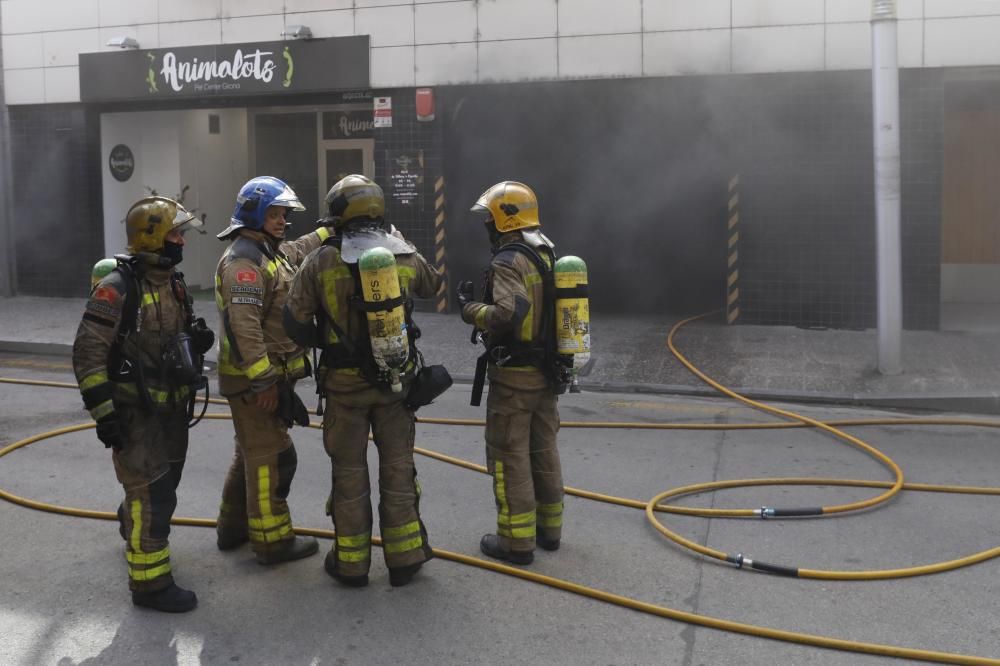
258	367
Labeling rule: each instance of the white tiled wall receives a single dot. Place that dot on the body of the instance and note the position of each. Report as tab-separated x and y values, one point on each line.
435	42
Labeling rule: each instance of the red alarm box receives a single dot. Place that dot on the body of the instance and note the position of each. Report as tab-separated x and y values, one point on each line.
425	104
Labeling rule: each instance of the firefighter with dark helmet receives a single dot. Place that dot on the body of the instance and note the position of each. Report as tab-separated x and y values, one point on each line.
138	359
514	319
258	368
352	299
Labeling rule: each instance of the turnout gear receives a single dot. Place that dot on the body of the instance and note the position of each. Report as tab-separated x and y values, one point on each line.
256	357
254	198
522	419
325	309
149	221
142	408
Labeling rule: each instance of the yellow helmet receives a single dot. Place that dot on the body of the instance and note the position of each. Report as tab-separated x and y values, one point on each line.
511	204
351	197
149	221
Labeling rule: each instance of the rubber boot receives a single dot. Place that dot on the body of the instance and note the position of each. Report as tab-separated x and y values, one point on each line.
171	599
400	576
546	544
330	564
231	539
293	549
490	545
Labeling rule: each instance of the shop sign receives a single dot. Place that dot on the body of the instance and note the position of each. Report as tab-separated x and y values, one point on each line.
352	124
406	175
121	162
383	112
263	68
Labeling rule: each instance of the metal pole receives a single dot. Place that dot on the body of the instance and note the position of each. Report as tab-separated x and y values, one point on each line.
885	96
8	273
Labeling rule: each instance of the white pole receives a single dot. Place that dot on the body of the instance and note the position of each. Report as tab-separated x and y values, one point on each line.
885	96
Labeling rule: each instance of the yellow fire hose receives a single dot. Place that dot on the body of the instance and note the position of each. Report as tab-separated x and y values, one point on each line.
655	505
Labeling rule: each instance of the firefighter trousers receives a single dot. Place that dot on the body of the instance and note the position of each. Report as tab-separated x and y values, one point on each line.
149	467
522	457
346	423
254	496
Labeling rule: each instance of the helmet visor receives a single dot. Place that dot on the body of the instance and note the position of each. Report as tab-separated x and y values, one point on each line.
288	199
184	219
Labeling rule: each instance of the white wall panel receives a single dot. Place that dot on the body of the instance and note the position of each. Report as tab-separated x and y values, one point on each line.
685	14
24	86
848	46
392	67
968	41
252	29
190	33
911	43
35	16
294	6
524	60
786	49
941	8
237	8
848	10
748	13
388	26
910	9
189	10
62	84
445	22
22	51
440	64
686	52
63	48
516	19
127	12
603	55
381	3
339	23
598	17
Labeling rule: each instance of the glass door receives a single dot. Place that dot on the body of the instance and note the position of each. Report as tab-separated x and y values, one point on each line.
342	157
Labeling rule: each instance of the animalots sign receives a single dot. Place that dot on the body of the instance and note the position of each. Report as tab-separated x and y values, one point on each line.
314	65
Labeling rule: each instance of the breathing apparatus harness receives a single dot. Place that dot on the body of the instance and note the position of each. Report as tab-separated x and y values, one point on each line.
505	350
348	353
180	362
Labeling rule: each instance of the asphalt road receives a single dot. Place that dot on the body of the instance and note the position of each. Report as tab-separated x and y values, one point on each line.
63	596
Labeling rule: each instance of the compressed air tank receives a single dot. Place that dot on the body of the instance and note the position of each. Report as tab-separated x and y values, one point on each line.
386	327
100	270
572	318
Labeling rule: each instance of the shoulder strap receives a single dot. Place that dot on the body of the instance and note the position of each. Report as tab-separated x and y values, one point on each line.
130	307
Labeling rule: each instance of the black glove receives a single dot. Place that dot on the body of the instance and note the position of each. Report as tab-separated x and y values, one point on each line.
202	337
466	292
110	433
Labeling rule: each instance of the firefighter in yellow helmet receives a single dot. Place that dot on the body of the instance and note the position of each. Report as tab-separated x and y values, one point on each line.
138	359
329	308
258	368
514	319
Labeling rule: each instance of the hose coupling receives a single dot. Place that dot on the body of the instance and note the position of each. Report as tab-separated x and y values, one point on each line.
738	560
766	512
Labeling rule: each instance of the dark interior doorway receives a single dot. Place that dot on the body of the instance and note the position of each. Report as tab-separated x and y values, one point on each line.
630	175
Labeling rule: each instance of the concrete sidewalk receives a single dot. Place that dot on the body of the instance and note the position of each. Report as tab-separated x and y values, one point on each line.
943	370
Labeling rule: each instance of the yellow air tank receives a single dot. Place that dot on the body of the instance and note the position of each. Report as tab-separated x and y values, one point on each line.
572	318
100	270
386	328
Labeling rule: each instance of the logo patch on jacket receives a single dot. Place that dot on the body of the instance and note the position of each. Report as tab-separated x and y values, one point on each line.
246	276
107	294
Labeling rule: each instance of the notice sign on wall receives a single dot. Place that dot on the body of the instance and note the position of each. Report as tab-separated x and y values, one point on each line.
383	112
406	175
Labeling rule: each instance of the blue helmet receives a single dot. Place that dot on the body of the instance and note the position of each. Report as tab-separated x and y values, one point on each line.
255	198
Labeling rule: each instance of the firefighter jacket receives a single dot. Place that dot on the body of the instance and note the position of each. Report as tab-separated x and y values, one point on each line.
130	371
251	285
512	314
323	289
